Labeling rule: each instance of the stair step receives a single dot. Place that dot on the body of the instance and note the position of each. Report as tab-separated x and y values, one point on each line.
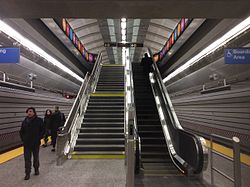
102	124
106	99
94	147
101	135
103	120
121	107
105	130
106	111
104	115
97	141
97	152
99	103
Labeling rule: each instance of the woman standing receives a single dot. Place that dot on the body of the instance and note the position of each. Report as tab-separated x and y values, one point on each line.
31	132
47	121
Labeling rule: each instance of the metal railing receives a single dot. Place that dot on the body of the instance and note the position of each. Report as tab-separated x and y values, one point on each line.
236	160
132	138
68	133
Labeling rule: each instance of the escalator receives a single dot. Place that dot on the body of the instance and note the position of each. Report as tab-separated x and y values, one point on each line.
154	153
166	148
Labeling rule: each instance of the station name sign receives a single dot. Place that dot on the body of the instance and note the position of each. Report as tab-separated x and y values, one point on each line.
120	44
10	55
237	55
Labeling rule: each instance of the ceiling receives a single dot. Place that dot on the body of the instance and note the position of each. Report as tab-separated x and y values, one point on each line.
153	33
124	8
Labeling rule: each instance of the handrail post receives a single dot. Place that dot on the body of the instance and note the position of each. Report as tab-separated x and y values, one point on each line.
236	160
131	152
4	77
237	164
211	160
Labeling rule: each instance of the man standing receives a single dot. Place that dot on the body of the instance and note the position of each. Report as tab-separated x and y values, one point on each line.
31	132
57	120
146	62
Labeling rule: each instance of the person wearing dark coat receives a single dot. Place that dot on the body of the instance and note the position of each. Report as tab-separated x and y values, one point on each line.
31	133
47	121
146	62
57	121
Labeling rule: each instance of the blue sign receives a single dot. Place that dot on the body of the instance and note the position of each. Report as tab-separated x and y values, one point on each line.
9	55
237	56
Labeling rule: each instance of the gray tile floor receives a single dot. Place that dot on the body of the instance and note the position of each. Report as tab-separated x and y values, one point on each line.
102	173
89	173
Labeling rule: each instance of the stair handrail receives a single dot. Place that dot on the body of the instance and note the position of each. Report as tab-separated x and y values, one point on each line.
180	160
130	115
67	135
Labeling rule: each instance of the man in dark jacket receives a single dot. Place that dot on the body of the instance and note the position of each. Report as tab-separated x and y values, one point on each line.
32	131
57	120
146	62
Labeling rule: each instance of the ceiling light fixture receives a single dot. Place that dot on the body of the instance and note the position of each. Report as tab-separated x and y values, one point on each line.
123	25
123	37
33	47
123	31
234	32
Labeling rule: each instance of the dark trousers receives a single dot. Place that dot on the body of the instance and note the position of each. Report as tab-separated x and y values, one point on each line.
53	138
28	151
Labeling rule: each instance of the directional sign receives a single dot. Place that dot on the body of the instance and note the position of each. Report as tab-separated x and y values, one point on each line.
9	55
237	56
120	44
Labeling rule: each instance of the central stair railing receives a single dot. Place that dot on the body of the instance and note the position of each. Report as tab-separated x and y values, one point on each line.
132	138
67	135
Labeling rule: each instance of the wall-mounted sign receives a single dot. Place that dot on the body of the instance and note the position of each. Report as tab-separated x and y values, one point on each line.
237	56
120	44
179	29
9	55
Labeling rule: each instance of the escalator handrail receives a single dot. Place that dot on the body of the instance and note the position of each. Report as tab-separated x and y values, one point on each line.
136	133
199	141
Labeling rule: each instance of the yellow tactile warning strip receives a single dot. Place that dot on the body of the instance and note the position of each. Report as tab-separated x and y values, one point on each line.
14	153
111	94
113	65
10	155
74	156
229	152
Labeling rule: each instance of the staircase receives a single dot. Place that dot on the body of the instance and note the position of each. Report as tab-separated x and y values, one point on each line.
154	153
102	132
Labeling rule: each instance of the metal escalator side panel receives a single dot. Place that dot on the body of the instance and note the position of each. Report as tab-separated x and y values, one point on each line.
180	164
197	147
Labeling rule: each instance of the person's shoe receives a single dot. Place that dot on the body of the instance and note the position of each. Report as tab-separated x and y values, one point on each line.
37	172
53	150
27	177
44	145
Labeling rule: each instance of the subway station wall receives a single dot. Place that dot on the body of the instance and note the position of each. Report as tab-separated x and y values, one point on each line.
226	113
13	104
